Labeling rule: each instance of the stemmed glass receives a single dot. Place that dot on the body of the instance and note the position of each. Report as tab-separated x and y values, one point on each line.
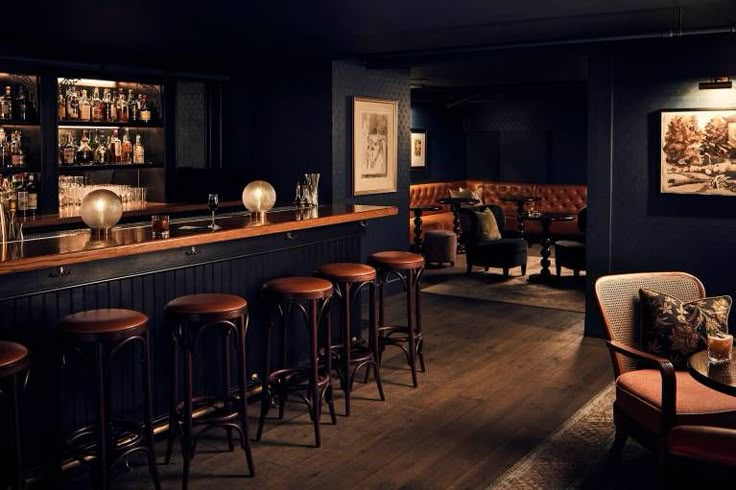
213	201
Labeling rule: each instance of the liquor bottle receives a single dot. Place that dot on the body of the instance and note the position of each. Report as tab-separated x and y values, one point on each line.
127	148
122	108
14	149
21	150
61	106
85	155
145	111
115	148
102	154
22	105
109	111
139	153
72	104
70	151
4	150
132	107
22	195
32	191
6	104
85	108
98	107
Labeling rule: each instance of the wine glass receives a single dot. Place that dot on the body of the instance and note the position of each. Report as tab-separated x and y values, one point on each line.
213	201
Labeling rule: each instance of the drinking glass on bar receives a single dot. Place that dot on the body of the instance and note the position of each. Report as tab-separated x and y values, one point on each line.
213	202
160	225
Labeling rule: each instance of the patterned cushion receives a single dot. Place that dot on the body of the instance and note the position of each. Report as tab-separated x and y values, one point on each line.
676	329
469	192
487	226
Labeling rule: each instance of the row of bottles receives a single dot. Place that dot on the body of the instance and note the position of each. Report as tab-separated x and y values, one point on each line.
16	105
12	151
19	195
75	105
101	149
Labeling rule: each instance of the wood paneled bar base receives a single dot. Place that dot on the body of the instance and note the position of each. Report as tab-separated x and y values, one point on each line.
44	280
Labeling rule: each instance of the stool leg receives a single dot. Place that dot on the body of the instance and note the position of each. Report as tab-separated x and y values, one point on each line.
102	436
266	384
373	332
314	372
17	465
410	307
226	398
283	389
382	277
147	399
347	380
329	393
420	344
243	394
173	398
186	449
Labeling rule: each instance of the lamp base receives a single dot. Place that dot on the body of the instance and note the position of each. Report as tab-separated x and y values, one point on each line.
258	217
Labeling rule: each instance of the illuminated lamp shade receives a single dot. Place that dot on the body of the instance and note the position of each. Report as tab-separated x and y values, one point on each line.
258	197
101	210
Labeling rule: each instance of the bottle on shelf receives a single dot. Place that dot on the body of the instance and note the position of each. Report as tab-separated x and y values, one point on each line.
32	191
85	155
122	107
145	114
16	151
102	154
133	107
139	153
22	194
21	152
23	105
70	151
98	107
4	149
115	148
72	104
6	104
127	148
110	113
61	105
85	107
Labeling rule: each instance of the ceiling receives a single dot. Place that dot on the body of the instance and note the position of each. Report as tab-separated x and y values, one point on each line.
222	34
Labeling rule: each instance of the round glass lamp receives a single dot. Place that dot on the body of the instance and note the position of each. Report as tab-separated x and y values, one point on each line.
258	197
101	210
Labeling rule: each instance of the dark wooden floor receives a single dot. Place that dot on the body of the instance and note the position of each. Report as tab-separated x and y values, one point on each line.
500	379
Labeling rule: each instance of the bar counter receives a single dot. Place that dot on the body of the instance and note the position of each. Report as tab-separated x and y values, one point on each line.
84	246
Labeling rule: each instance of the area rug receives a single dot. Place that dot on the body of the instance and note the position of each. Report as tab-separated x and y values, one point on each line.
566	293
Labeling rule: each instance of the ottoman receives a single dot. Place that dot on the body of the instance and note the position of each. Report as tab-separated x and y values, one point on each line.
440	247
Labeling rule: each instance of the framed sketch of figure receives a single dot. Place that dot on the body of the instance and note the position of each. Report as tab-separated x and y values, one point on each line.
375	141
418	148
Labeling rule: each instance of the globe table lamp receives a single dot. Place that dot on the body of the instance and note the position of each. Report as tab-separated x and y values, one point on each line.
258	197
101	210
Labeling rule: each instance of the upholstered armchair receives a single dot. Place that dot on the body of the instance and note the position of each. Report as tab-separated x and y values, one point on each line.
505	253
651	396
571	253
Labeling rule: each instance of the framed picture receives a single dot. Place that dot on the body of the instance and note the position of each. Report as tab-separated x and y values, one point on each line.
418	148
698	152
375	142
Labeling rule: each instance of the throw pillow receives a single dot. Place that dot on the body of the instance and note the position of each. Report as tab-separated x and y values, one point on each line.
474	193
676	329
487	226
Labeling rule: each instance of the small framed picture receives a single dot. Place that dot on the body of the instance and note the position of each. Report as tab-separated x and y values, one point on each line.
375	142
418	148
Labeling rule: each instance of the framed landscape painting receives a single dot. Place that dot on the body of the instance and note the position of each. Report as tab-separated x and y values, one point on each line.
375	141
698	152
418	148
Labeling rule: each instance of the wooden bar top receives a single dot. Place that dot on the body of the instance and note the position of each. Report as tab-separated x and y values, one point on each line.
84	247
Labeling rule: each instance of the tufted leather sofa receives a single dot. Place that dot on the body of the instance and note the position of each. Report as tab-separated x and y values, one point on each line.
557	198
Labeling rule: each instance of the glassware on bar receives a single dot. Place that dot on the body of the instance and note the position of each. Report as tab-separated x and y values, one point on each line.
160	225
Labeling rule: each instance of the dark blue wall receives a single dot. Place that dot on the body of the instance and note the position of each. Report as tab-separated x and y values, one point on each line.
445	142
631	227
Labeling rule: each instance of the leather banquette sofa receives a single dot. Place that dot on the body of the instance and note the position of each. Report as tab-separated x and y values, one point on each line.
557	198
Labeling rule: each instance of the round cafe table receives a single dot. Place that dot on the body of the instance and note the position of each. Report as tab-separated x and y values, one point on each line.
521	202
720	377
455	204
546	219
418	210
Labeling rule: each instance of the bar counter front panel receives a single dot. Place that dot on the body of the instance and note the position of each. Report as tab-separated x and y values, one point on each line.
137	272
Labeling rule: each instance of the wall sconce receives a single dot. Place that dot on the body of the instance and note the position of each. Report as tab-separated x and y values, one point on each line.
258	197
101	210
718	82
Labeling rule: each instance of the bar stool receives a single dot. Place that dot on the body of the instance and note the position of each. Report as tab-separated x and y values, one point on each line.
348	279
106	332
311	297
408	267
14	362
189	317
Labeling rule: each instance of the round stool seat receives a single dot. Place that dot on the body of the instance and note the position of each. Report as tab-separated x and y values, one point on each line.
104	324
347	272
206	303
299	287
13	358
397	260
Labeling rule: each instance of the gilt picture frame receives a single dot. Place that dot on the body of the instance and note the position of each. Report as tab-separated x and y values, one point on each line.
375	143
418	149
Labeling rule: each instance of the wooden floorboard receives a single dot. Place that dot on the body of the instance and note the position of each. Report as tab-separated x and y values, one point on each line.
500	379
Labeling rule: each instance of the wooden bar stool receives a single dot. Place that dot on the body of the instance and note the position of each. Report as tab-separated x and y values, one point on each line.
14	362
189	317
408	267
105	332
311	297
348	279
